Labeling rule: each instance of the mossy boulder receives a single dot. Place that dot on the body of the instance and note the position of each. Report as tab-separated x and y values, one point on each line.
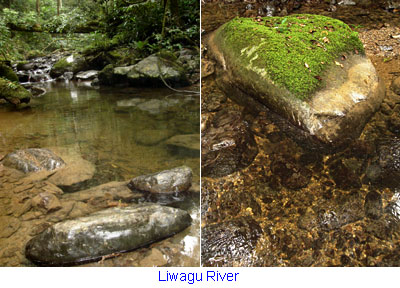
13	92
7	72
309	68
152	71
72	63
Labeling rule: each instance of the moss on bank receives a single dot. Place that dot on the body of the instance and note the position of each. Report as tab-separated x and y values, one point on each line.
293	51
13	92
7	73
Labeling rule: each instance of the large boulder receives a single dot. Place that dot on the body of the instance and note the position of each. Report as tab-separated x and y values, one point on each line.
309	68
168	181
105	232
33	160
13	92
150	71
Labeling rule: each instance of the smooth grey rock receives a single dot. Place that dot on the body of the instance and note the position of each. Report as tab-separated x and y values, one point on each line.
150	70
33	160
105	232
168	181
87	75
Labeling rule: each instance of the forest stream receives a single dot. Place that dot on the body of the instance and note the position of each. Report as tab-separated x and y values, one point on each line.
106	127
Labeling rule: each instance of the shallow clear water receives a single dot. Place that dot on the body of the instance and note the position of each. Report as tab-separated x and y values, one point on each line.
123	131
122	140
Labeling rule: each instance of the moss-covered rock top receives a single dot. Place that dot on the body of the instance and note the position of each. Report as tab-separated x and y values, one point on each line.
13	92
7	73
293	51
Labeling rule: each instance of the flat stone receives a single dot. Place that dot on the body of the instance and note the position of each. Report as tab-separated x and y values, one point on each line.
87	75
168	181
8	226
154	259
111	191
105	232
150	137
77	171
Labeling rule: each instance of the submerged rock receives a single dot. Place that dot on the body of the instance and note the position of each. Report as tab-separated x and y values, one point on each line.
168	181
230	243
105	232
389	162
373	205
310	69
187	141
33	160
227	146
110	191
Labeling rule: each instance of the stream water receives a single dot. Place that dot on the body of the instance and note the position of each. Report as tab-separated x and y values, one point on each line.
123	132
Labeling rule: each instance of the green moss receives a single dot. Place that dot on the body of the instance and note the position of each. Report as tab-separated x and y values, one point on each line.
7	73
13	92
293	51
34	54
62	64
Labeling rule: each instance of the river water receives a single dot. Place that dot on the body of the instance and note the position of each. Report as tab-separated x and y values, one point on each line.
123	132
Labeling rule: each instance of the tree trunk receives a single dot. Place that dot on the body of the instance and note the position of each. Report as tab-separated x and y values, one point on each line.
38	7
59	6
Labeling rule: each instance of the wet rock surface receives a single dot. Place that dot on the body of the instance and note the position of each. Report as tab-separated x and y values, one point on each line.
33	160
230	243
167	182
105	232
227	145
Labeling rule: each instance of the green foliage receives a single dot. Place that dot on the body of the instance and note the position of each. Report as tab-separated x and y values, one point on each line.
4	37
19	19
66	22
140	25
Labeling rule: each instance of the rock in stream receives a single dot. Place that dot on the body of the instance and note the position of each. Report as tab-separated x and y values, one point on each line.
168	181
105	232
33	160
